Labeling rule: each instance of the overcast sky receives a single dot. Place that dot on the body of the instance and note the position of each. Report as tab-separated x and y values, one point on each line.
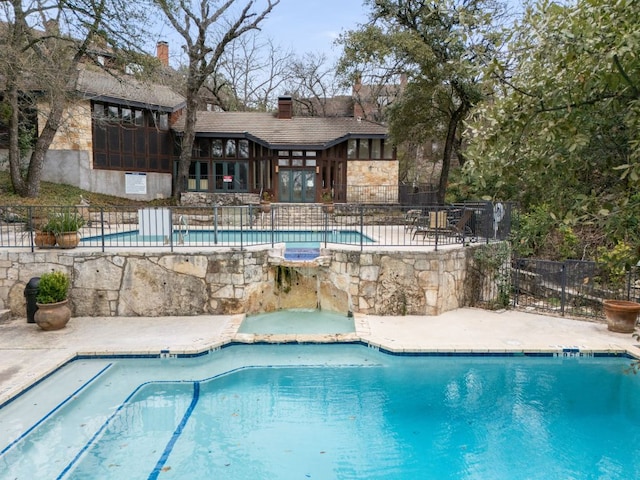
313	25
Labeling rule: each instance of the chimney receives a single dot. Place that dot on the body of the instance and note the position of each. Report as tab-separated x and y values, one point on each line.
285	107
162	52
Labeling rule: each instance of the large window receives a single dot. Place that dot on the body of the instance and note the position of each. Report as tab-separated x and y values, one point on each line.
369	149
128	138
221	165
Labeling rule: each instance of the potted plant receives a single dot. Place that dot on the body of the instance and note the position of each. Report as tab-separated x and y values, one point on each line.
327	199
265	201
67	225
53	310
45	235
615	264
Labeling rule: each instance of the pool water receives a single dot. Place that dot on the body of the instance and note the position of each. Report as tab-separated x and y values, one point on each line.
213	237
329	412
304	321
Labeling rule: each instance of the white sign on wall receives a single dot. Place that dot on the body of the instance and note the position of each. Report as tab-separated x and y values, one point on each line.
135	183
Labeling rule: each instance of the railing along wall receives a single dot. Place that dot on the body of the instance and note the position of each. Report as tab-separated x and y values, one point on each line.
570	288
241	226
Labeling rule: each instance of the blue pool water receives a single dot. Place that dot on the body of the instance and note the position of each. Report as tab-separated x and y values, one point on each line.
298	321
299	238
327	412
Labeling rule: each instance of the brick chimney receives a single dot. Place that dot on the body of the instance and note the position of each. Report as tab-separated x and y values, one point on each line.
285	107
162	52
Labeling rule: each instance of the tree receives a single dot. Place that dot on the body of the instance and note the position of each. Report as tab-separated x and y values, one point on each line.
251	71
439	45
563	128
206	34
43	45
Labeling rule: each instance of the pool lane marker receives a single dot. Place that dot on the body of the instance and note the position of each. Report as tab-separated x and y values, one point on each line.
55	409
176	434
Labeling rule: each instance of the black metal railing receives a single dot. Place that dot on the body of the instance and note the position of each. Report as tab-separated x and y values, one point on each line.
240	226
571	288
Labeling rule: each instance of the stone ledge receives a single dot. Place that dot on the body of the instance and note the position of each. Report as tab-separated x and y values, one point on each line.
5	316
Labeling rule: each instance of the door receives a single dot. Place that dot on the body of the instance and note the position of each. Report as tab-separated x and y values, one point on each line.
297	186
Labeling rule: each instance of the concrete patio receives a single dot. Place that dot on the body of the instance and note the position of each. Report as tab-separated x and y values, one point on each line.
28	353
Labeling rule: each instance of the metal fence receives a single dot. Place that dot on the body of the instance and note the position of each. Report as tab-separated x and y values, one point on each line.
570	288
241	226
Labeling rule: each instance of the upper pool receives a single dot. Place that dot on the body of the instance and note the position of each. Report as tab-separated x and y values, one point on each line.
327	412
222	237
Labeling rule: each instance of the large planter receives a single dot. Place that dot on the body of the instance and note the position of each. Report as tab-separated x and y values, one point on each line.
621	315
265	207
44	239
52	316
68	239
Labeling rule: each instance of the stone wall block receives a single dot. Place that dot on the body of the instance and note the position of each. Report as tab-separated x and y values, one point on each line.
97	274
150	290
194	265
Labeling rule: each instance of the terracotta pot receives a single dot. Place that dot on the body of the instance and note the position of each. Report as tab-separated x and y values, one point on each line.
52	316
328	207
265	207
68	239
621	315
44	239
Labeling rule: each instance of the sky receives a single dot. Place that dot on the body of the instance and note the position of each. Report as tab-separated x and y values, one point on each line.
313	25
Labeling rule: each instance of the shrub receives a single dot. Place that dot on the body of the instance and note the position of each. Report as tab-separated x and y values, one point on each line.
53	287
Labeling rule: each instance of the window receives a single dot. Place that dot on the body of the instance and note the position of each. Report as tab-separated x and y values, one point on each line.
216	149
243	148
230	149
363	150
127	142
352	148
388	150
376	148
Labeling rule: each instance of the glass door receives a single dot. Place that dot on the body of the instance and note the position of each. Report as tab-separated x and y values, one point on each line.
297	186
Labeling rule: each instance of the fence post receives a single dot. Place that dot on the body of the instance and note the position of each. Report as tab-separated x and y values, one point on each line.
563	291
102	228
361	227
516	283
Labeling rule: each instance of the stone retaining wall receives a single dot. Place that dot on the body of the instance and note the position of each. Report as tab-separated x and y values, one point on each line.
160	283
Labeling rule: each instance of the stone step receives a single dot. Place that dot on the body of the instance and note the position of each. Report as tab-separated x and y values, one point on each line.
5	316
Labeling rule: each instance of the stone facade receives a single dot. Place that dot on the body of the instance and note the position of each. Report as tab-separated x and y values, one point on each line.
75	133
372	172
230	281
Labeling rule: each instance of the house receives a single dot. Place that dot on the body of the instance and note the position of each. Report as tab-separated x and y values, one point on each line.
122	138
293	158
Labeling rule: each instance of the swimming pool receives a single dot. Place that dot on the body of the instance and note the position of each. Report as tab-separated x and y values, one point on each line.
327	411
298	321
302	238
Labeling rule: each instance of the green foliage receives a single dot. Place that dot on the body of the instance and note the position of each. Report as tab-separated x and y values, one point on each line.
563	122
615	263
53	287
493	262
540	233
439	46
66	221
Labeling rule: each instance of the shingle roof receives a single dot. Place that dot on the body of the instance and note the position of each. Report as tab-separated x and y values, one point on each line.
124	89
274	132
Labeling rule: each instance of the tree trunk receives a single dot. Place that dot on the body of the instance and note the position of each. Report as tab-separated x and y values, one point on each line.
17	181
452	127
186	145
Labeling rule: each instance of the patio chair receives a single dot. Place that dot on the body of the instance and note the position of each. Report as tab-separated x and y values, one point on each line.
460	229
436	221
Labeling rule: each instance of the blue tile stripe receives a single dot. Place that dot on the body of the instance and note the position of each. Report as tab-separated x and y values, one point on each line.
174	438
54	410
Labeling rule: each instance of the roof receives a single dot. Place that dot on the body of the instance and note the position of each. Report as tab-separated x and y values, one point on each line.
266	128
125	89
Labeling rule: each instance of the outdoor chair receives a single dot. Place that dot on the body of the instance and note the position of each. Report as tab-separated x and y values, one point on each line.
436	221
440	224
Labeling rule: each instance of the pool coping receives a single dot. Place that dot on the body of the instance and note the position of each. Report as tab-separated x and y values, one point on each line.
424	336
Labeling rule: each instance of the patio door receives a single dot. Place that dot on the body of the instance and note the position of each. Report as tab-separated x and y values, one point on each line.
297	186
